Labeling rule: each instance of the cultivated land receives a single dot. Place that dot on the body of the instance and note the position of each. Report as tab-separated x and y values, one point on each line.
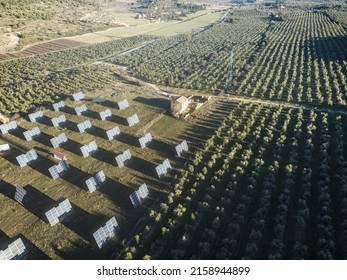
266	175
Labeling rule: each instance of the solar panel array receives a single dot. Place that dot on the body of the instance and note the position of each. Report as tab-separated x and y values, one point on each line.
182	147
126	155
123	104
58	105
30	134
95	182
25	159
108	231
83	126
34	116
20	195
57	170
78	96
163	168
57	141
112	133
80	109
138	196
14	251
57	213
134	119
4	147
89	148
58	120
145	139
5	128
105	114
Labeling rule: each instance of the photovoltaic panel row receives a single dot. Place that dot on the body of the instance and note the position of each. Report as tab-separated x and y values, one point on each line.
163	168
108	231
112	133
20	194
25	159
138	196
83	126
58	120
89	148
95	182
57	170
78	96
57	141
80	109
182	147
5	128
56	214
30	134
35	116
14	251
145	140
58	105
134	119
105	114
4	147
120	159
123	104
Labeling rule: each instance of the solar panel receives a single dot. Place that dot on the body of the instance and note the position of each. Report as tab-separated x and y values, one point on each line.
56	214
34	116
78	96
86	150
134	119
112	133
105	114
58	105
14	251
4	147
25	159
30	134
138	196
120	159
57	141
94	183
20	195
123	104
145	139
110	229
82	127
57	170
58	120
7	127
182	147
80	109
163	168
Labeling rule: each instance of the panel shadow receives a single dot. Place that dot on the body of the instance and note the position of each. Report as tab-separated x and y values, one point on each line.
105	156
34	253
18	132
76	177
128	139
72	146
92	114
118	119
162	147
97	131
141	165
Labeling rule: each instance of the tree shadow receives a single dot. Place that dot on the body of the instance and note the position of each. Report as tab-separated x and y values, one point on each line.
104	155
319	47
154	102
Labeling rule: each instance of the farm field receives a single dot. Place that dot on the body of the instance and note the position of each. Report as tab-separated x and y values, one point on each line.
73	238
195	21
269	184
